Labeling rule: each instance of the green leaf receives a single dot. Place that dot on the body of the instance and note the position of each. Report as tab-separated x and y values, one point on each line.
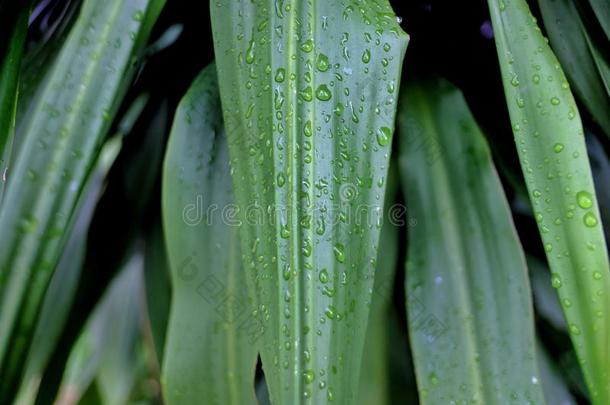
61	291
555	388
158	287
468	294
209	353
309	99
601	8
374	379
550	141
546	301
13	30
60	146
569	40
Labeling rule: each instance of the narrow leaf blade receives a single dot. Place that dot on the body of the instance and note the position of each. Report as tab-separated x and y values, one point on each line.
60	146
550	141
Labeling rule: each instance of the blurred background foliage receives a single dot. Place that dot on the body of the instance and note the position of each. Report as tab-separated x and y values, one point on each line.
111	291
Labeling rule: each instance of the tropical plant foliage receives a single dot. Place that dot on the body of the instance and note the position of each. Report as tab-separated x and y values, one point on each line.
297	202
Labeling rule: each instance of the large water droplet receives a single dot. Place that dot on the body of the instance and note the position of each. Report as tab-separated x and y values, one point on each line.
590	220
322	63
323	93
383	136
584	199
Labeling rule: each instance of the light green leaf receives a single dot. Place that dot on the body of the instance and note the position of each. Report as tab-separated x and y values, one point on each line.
569	40
60	294
468	294
60	146
210	354
374	379
550	141
309	98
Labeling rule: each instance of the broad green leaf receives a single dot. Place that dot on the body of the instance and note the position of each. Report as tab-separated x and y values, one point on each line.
210	354
468	293
60	146
13	29
374	379
551	146
309	98
569	40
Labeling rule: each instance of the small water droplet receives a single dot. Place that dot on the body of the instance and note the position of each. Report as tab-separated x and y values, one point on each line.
338	249
556	280
250	52
584	199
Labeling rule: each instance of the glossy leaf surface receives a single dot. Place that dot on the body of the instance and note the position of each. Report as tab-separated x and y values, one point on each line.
550	142
309	97
209	354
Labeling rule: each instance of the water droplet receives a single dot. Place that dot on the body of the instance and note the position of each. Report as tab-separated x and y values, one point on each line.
323	93
330	312
250	52
383	136
138	15
558	147
309	376
323	276
555	280
597	275
307	129
280	75
307	46
306	94
555	101
284	232
322	63
366	56
590	220
574	330
281	179
338	249
584	199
